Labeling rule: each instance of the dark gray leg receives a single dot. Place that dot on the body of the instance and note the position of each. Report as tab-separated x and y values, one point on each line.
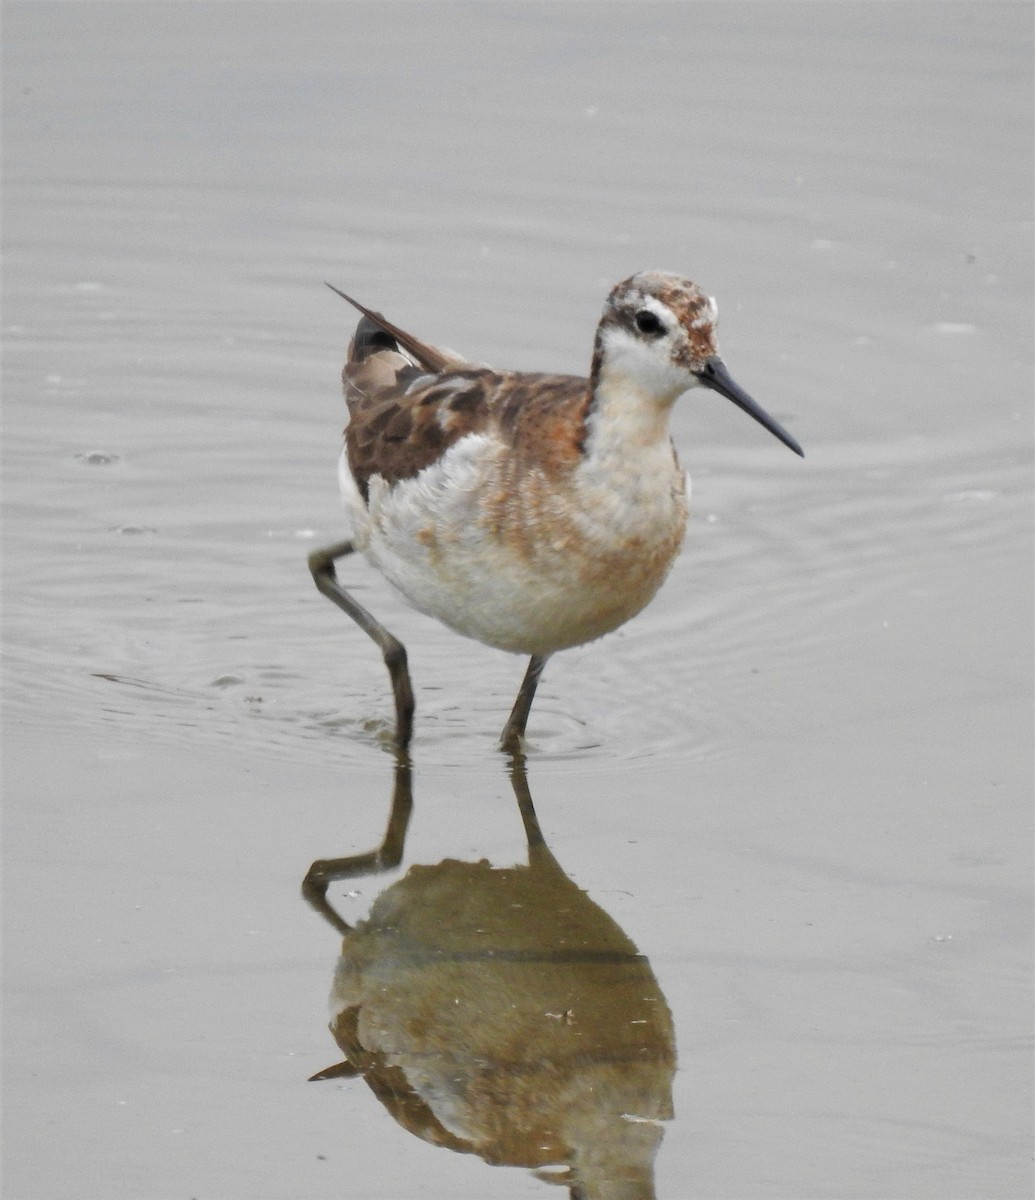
321	565
514	730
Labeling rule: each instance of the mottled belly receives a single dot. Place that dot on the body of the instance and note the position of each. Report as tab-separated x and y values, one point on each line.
535	576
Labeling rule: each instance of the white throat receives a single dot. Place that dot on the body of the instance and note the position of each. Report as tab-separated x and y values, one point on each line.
636	386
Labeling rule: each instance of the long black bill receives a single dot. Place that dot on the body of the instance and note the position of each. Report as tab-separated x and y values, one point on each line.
714	375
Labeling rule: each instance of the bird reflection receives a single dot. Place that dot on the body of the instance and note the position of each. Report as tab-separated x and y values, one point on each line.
501	1012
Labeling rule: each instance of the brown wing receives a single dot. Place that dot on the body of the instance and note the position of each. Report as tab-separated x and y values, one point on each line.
541	418
409	402
396	434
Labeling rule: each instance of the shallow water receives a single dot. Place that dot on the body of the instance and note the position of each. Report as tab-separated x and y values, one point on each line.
800	782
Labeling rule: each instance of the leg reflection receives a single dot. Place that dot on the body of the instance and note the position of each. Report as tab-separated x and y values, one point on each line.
389	854
499	1011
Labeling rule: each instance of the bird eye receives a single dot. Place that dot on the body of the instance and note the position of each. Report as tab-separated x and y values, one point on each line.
649	323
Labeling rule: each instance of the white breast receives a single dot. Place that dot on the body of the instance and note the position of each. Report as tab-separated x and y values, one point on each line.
530	566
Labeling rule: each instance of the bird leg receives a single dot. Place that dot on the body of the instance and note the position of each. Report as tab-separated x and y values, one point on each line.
321	566
514	730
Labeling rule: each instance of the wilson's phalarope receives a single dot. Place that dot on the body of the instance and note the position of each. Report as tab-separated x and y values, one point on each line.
532	512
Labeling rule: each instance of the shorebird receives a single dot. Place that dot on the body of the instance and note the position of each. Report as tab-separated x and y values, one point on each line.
532	512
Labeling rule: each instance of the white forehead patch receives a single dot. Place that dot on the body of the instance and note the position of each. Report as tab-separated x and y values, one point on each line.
654	305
